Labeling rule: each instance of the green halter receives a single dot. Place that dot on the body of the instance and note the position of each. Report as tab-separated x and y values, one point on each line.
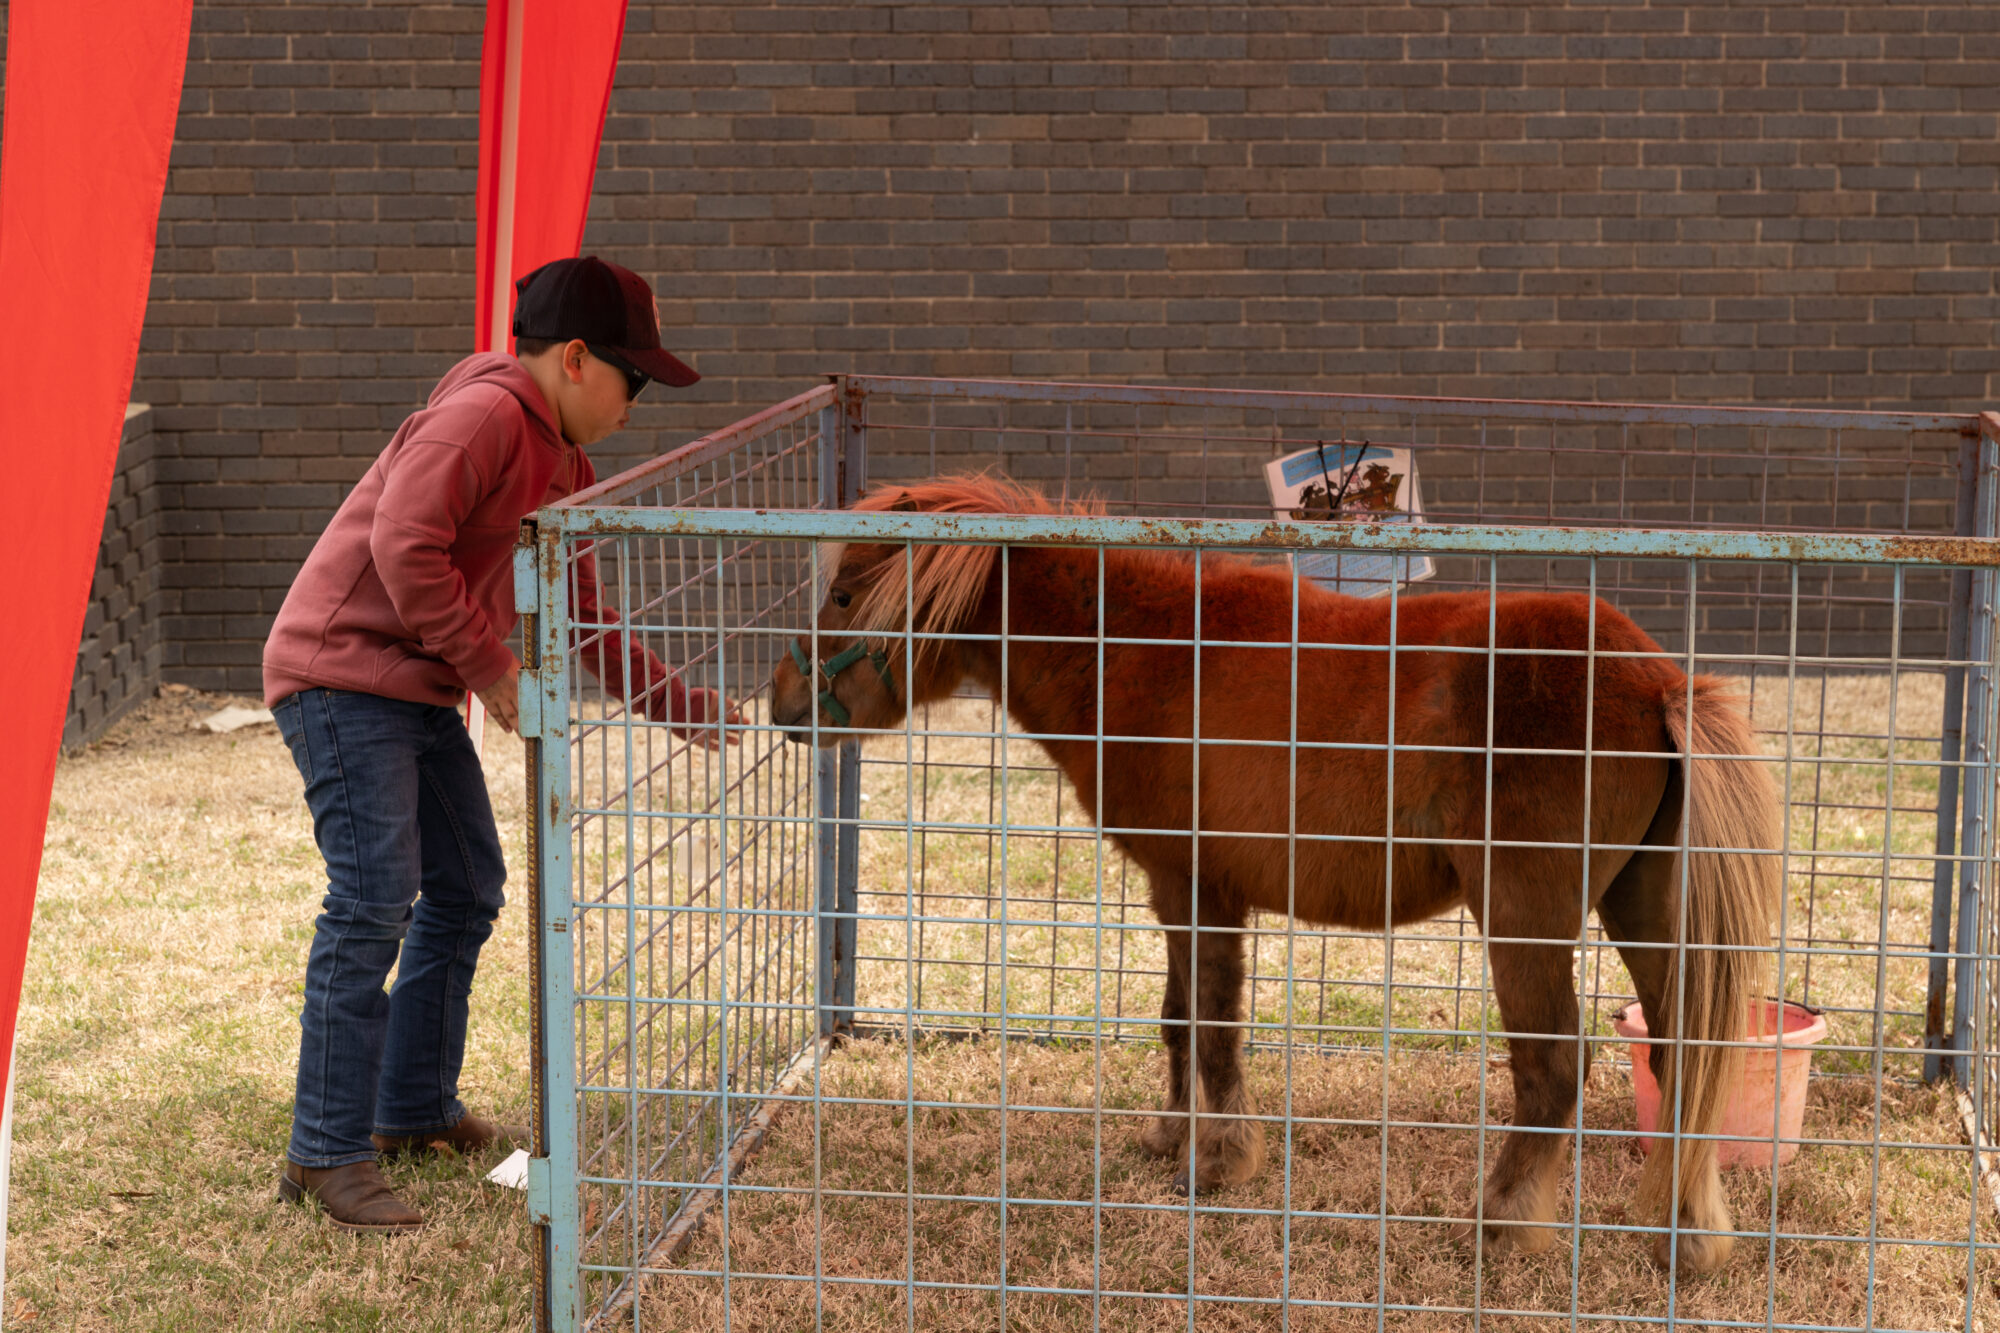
838	663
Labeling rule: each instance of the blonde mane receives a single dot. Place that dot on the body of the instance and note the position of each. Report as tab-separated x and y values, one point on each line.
949	580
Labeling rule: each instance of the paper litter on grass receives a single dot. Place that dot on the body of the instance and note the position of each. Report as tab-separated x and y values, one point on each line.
512	1173
234	719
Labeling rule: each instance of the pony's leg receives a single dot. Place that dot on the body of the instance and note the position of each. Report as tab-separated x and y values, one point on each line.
1166	1135
1229	1149
1638	910
1536	993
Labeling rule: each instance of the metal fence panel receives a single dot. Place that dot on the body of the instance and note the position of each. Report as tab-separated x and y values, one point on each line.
938	906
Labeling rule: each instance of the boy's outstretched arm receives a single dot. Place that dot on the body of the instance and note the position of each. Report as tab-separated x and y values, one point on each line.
627	667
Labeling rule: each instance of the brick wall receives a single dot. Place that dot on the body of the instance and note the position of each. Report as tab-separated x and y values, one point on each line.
118	659
1741	201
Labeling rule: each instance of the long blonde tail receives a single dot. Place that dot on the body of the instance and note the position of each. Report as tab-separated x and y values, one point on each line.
1732	897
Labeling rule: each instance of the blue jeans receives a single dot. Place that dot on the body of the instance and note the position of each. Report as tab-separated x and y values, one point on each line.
413	866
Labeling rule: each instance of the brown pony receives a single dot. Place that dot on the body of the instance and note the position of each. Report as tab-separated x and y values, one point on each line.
1527	890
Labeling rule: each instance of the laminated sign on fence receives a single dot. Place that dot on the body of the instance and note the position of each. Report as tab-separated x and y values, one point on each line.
1351	482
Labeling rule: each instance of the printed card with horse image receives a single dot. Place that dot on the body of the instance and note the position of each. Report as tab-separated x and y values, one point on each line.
1349	482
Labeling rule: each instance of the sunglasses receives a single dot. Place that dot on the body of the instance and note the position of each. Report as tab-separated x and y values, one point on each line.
635	378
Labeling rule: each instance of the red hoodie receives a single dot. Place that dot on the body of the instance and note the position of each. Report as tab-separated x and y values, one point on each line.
409	592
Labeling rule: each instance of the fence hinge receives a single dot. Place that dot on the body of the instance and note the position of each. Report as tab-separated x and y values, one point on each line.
538	1191
530	706
527	582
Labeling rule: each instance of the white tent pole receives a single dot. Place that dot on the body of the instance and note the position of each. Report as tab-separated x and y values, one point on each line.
6	1158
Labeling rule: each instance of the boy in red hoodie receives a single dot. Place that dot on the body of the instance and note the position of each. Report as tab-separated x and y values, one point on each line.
403	606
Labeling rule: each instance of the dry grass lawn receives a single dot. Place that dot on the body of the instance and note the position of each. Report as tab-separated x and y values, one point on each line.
158	1041
1334	1168
159	1031
1054	959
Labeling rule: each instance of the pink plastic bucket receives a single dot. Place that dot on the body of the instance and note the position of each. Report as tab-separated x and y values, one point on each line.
1749	1112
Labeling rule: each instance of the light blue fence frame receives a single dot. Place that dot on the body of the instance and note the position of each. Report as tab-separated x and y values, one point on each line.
722	467
542	590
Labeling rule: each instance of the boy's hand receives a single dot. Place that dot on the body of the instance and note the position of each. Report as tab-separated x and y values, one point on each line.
503	698
694	717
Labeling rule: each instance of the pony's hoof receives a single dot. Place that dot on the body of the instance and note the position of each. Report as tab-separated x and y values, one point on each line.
1165	1136
1520	1219
1212	1175
1692	1255
1504	1238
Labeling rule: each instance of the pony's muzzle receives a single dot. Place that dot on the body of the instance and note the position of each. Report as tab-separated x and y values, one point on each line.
825	673
797	726
796	720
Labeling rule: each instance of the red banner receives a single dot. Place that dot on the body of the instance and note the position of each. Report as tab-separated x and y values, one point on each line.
92	91
545	76
544	83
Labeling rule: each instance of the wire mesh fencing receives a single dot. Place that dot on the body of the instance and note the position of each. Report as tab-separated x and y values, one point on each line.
840	1036
674	883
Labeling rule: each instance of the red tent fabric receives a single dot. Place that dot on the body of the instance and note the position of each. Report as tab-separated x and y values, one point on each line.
92	91
544	83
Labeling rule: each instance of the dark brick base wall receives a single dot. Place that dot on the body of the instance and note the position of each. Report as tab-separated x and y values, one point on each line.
1683	200
118	658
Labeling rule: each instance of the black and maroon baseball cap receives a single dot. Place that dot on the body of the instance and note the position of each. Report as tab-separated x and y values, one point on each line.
606	306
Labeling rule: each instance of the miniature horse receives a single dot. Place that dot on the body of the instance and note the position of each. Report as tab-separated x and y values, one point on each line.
1527	888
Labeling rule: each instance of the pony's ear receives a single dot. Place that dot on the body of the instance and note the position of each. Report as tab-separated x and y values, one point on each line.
905	503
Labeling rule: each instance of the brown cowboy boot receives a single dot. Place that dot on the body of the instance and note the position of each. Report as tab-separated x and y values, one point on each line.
471	1135
354	1197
